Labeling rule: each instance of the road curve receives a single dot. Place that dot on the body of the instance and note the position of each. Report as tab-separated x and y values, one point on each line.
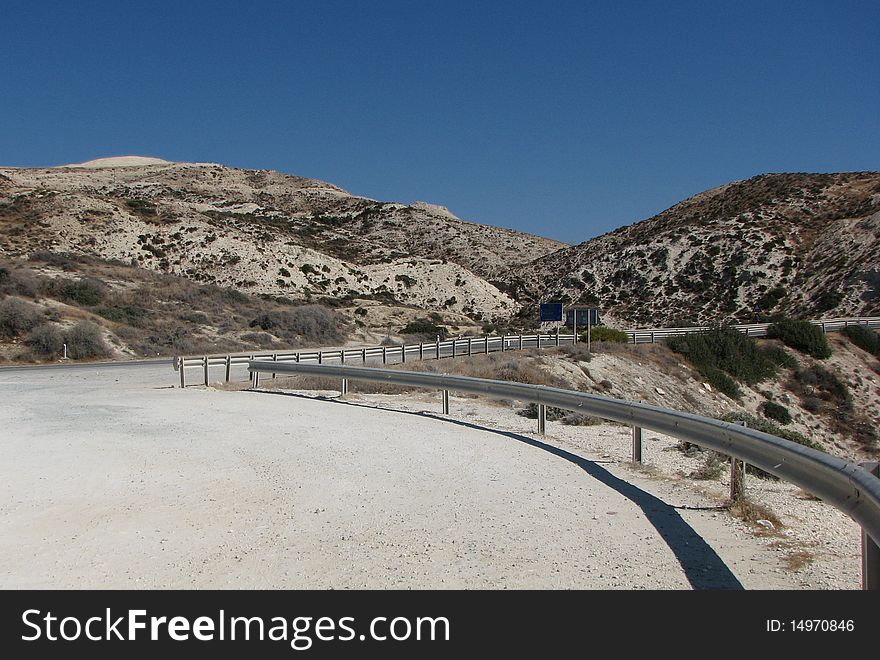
114	479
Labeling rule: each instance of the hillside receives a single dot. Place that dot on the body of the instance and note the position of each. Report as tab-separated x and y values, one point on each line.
803	245
262	232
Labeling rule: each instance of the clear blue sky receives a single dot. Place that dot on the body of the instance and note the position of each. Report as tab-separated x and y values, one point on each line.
562	119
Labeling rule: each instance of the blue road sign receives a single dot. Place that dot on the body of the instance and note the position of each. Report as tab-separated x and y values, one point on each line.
584	314
551	311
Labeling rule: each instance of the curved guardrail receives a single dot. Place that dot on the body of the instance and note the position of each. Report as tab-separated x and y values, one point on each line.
458	347
844	484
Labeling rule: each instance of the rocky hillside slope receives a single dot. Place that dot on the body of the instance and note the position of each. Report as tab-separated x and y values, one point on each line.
804	245
262	232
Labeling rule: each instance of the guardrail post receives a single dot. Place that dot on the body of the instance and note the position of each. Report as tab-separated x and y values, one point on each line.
342	356
182	369
274	359
228	366
206	369
445	402
384	354
542	418
652	336
637	444
470	341
557	335
520	341
403	352
737	477
438	347
486	343
453	347
320	358
502	343
421	350
364	356
344	389
870	550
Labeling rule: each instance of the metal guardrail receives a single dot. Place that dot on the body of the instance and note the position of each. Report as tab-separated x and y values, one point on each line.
651	335
846	485
451	348
394	354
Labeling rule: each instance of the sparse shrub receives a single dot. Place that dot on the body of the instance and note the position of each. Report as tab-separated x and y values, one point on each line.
766	426
45	341
776	412
84	340
551	414
88	291
424	327
18	282
261	339
62	260
141	207
127	314
577	352
579	419
818	381
604	333
309	323
866	339
17	317
801	336
199	318
714	465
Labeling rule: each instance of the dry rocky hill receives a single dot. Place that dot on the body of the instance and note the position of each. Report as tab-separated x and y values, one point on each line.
262	232
802	245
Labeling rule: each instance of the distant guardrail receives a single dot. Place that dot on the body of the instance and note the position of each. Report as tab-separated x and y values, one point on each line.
394	354
848	486
450	348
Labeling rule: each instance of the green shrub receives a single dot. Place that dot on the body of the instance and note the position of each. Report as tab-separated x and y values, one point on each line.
17	317
766	426
802	336
84	340
45	341
424	327
88	292
604	333
780	357
866	339
776	412
724	355
721	381
127	314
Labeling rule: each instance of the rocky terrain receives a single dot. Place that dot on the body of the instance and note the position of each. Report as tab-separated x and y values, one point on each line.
802	245
263	232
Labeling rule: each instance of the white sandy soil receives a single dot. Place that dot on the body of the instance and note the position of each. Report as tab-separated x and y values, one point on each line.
111	478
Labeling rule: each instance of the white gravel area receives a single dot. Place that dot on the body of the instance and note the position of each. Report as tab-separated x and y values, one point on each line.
111	478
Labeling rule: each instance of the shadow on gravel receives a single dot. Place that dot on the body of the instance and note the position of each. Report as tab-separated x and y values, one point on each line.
702	566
